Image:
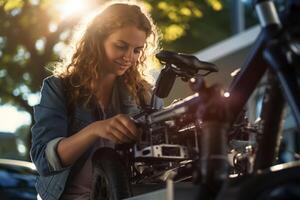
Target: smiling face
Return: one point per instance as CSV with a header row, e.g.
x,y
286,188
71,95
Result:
x,y
122,49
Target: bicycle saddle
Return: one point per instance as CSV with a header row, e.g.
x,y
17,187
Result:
x,y
186,62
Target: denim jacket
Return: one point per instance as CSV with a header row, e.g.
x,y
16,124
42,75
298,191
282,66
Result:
x,y
53,123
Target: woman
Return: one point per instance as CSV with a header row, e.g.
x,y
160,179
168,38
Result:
x,y
80,105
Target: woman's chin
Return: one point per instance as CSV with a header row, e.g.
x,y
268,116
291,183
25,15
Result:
x,y
121,72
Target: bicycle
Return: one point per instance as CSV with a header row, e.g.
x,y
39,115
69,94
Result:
x,y
277,52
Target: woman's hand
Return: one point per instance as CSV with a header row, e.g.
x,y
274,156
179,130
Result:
x,y
119,129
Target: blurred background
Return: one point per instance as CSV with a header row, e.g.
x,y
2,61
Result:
x,y
34,33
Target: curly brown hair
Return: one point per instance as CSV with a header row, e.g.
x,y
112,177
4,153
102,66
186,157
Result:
x,y
84,69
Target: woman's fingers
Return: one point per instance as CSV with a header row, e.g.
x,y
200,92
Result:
x,y
113,138
119,129
128,124
131,133
120,135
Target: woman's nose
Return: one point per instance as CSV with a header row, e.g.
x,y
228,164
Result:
x,y
128,56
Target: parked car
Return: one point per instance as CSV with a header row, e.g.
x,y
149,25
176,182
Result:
x,y
8,146
17,179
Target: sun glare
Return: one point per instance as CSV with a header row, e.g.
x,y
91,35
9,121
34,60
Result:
x,y
71,7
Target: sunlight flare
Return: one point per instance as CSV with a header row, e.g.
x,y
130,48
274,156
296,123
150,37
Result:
x,y
71,7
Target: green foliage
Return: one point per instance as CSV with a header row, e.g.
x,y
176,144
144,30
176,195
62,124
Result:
x,y
12,4
188,26
26,47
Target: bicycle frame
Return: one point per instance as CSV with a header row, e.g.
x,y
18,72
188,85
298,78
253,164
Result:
x,y
266,55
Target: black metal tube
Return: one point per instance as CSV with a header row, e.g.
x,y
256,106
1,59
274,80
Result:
x,y
175,110
255,66
243,85
272,114
267,13
164,82
213,164
287,76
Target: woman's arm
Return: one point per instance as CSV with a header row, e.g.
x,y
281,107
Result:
x,y
52,148
119,129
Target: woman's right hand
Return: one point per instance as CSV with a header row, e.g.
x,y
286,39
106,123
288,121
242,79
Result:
x,y
119,129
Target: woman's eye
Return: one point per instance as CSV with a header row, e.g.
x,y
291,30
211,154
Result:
x,y
137,51
120,46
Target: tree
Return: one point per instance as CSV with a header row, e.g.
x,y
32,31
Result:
x,y
32,32
189,26
27,45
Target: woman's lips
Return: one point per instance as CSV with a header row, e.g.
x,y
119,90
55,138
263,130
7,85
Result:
x,y
123,65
